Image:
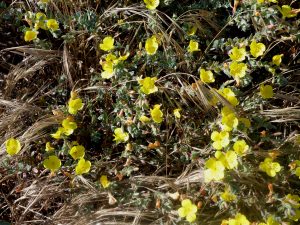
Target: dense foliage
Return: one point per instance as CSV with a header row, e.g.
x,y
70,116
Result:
x,y
150,112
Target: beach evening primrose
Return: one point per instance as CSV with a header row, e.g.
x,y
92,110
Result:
x,y
239,219
188,210
193,46
293,201
30,35
240,147
69,126
266,91
52,24
75,105
192,30
257,49
40,21
229,95
148,85
77,152
270,167
176,113
156,114
245,121
276,59
104,181
120,135
229,159
225,111
227,195
238,54
287,11
107,44
108,69
229,122
48,147
151,4
13,146
220,139
151,45
52,163
270,221
144,119
58,134
238,70
206,76
83,166
214,170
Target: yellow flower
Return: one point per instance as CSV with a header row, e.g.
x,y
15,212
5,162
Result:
x,y
49,148
120,135
229,95
193,46
270,221
227,195
123,57
52,163
270,167
156,114
13,146
294,214
52,24
221,139
148,85
266,91
108,68
192,30
104,181
239,219
151,45
77,152
276,59
240,147
69,126
215,170
107,44
238,69
297,172
245,121
151,4
188,210
225,111
40,16
111,58
229,122
206,76
75,105
40,23
229,159
262,1
257,49
30,35
145,119
58,134
176,113
293,200
238,54
287,11
83,166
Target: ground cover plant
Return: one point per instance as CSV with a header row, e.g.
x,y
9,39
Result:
x,y
150,112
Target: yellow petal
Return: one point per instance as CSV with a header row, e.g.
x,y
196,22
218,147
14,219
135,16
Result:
x,y
13,146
